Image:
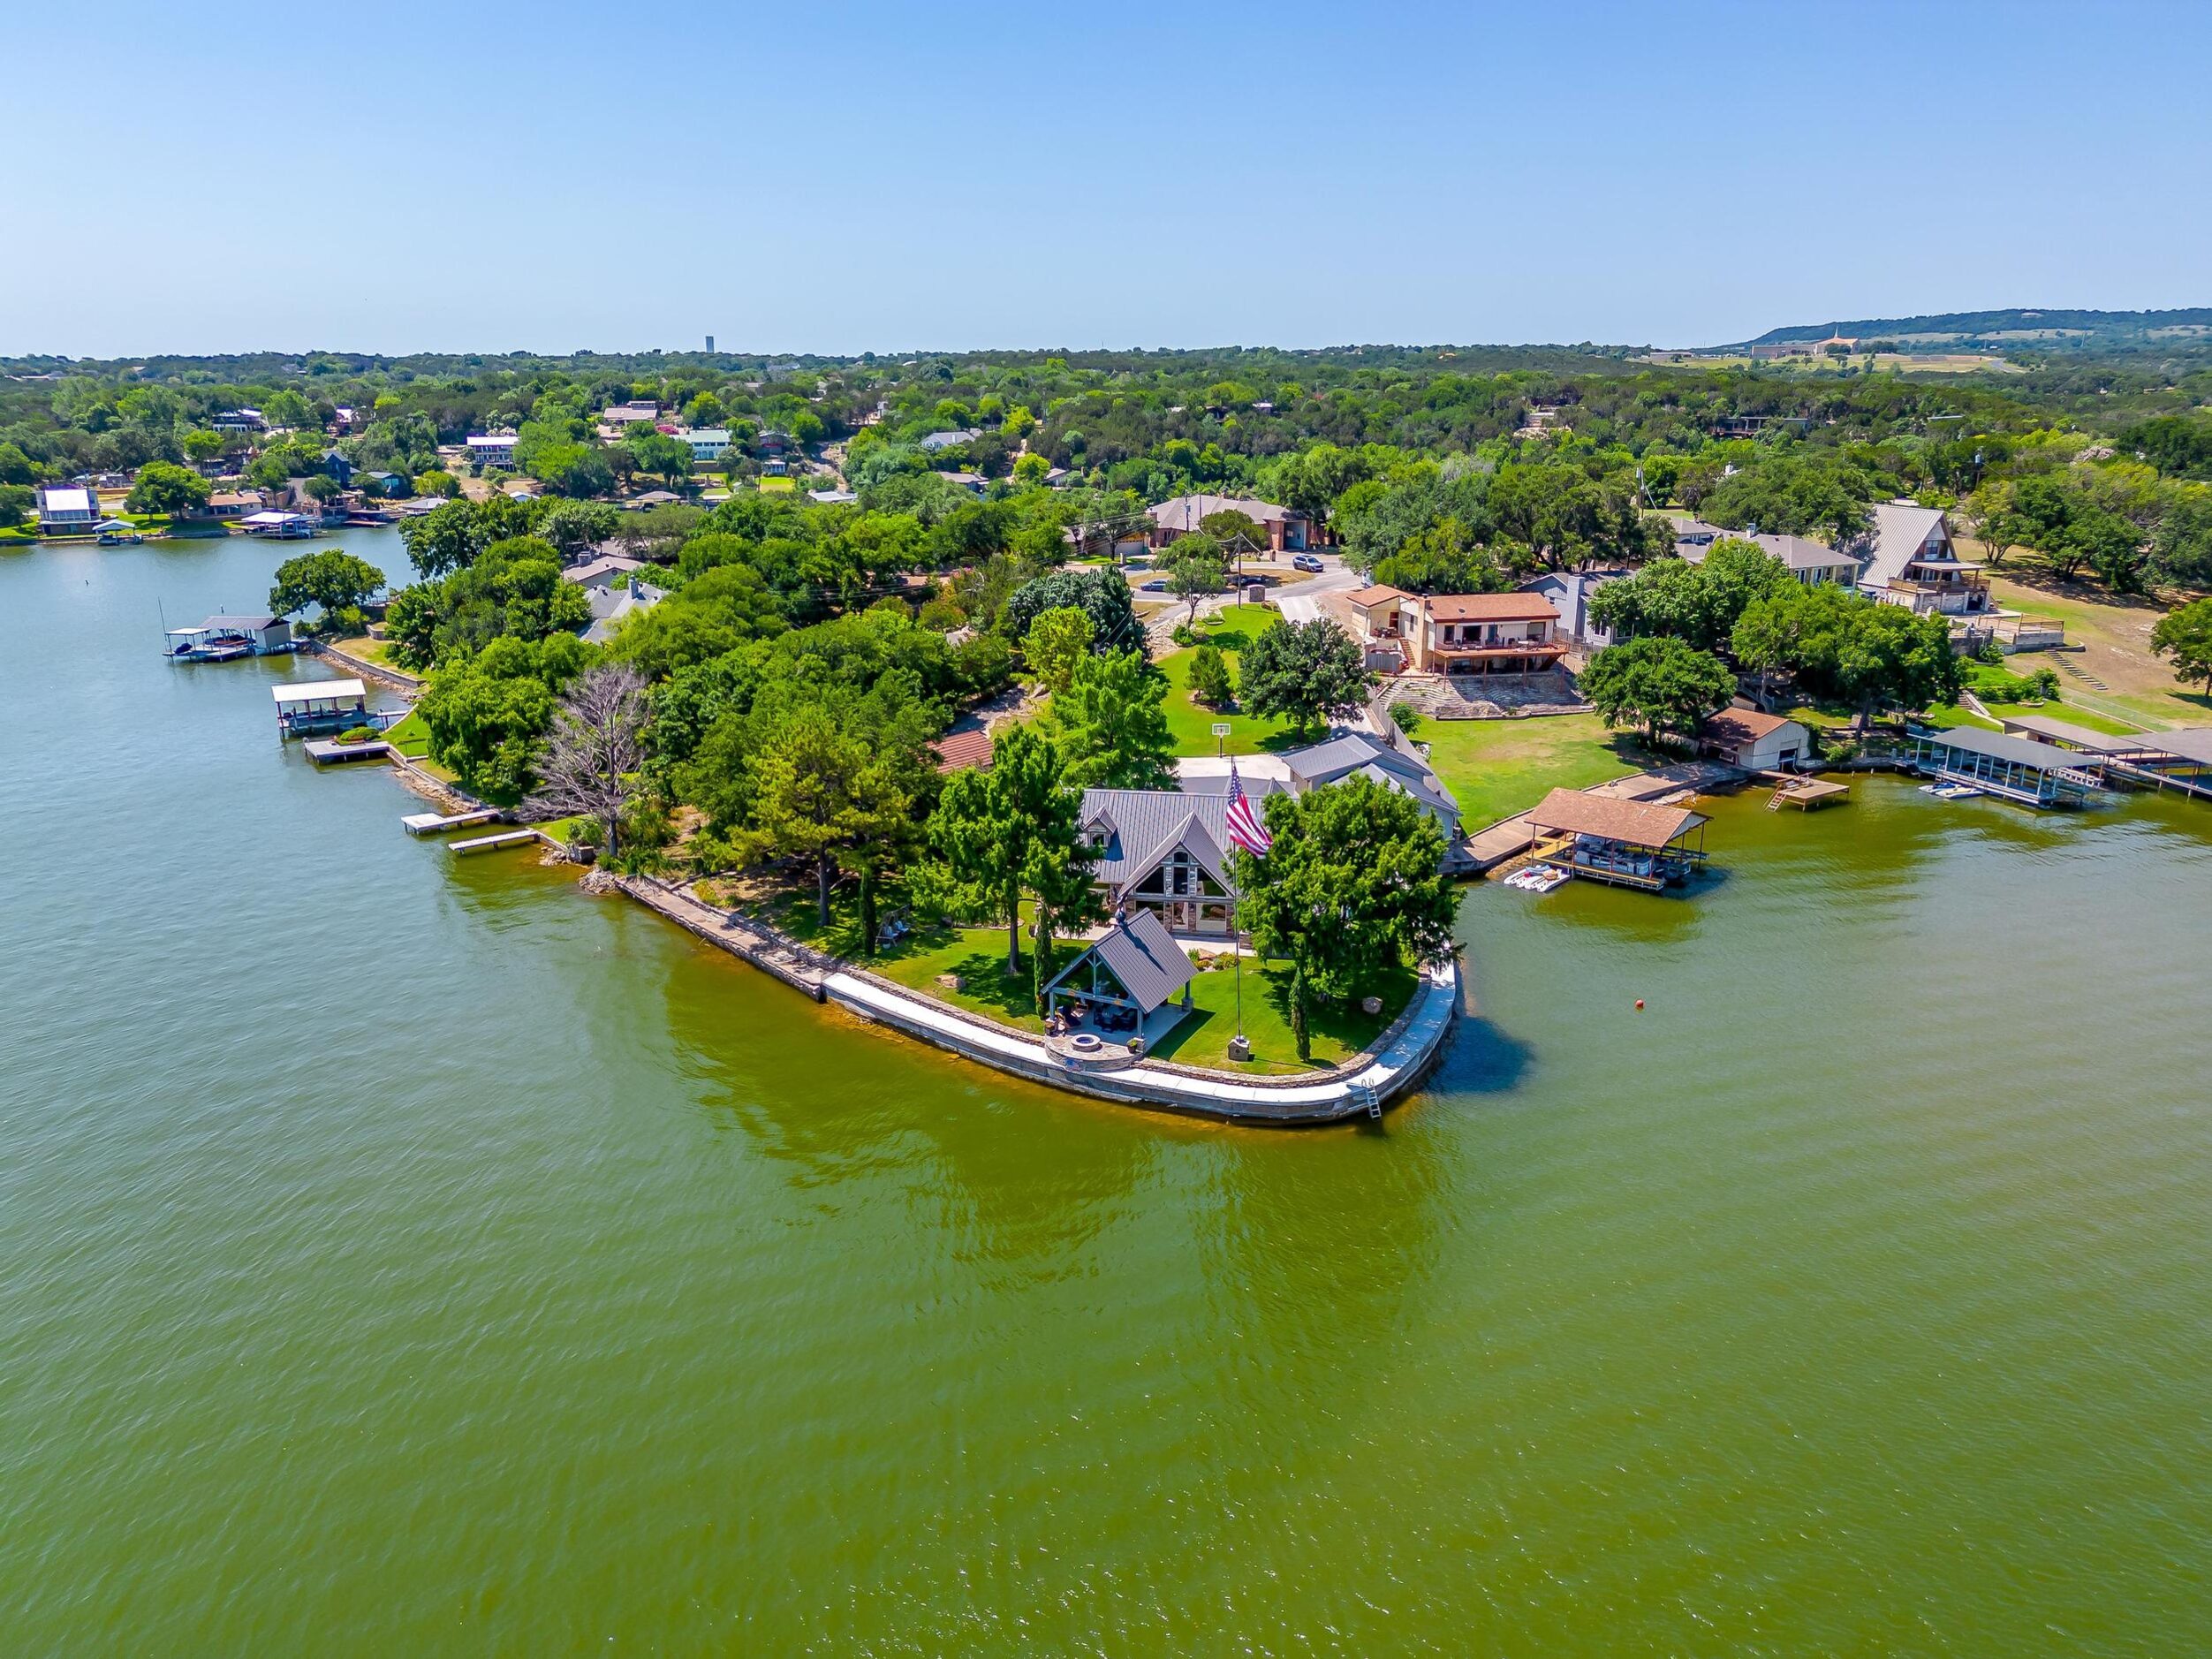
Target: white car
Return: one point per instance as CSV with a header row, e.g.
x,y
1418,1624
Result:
x,y
1306,561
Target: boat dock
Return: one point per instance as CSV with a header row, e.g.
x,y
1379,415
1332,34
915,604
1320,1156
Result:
x,y
326,751
1794,789
492,842
430,823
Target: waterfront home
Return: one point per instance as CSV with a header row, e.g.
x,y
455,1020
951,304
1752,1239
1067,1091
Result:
x,y
934,441
1625,842
1811,562
229,504
322,705
1515,635
1392,762
1756,741
68,510
492,448
1166,851
707,444
1124,977
1286,529
600,573
1569,594
2014,768
221,638
1910,561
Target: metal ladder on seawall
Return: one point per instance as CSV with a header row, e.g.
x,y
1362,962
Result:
x,y
1360,1095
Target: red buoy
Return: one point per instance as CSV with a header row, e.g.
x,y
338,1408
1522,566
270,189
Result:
x,y
1639,1003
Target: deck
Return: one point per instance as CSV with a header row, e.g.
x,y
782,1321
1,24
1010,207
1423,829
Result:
x,y
1805,793
329,751
428,823
489,843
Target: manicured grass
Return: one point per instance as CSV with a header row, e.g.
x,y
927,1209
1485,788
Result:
x,y
1340,1030
1497,767
411,739
775,486
1192,724
978,955
377,651
2066,711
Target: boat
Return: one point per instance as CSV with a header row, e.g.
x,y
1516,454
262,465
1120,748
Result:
x,y
1536,878
1950,791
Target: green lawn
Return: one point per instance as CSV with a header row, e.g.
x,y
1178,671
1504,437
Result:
x,y
1497,767
369,650
1191,723
1339,1032
411,739
978,955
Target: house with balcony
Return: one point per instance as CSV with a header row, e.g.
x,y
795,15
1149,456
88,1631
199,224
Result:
x,y
1811,562
1910,560
1166,851
707,444
494,448
1456,633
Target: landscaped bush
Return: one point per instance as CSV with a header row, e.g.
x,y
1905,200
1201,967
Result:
x,y
1408,716
1997,686
356,734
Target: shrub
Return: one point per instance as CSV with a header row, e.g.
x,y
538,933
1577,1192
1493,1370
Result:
x,y
1996,685
1210,682
1408,716
356,734
1185,635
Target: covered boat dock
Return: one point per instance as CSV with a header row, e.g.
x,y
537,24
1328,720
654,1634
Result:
x,y
2017,768
1627,843
321,705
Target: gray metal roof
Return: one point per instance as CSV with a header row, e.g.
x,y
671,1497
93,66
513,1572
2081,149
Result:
x,y
1143,826
1351,752
2078,736
2191,743
1998,746
1150,965
1900,530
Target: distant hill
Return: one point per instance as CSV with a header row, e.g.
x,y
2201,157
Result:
x,y
2018,329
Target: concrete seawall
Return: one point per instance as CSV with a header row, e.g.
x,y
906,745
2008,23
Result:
x,y
1401,1057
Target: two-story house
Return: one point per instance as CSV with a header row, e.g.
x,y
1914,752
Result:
x,y
68,510
1910,560
1457,633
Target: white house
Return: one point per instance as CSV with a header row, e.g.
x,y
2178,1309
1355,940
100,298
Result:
x,y
707,444
68,510
494,448
1755,741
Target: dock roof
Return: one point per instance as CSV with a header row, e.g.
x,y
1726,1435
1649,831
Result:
x,y
2002,746
1637,822
317,690
2077,737
2191,743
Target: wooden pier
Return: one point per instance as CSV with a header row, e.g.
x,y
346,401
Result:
x,y
430,823
328,751
1805,793
489,843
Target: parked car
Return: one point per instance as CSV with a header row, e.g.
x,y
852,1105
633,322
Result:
x,y
1306,561
1153,587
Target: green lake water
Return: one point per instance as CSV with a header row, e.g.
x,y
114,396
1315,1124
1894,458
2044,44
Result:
x,y
401,1255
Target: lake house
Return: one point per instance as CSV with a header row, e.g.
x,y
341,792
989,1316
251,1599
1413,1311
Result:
x,y
1516,633
68,510
1910,560
1166,851
492,448
1756,741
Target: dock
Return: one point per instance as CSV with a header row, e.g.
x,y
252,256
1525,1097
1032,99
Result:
x,y
488,844
430,823
1805,793
324,751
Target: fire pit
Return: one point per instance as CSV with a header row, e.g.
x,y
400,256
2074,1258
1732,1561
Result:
x,y
1085,1043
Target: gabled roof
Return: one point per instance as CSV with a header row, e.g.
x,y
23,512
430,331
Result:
x,y
1352,751
1144,825
2002,746
1636,822
1900,530
608,564
1743,725
1150,965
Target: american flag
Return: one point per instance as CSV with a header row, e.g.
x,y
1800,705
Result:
x,y
1245,828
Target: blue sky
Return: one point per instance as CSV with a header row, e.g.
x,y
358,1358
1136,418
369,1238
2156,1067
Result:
x,y
858,176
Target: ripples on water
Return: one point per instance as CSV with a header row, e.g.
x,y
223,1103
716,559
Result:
x,y
399,1253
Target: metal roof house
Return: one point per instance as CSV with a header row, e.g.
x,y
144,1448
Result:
x,y
1126,977
1811,562
1380,762
1910,561
1166,851
68,510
